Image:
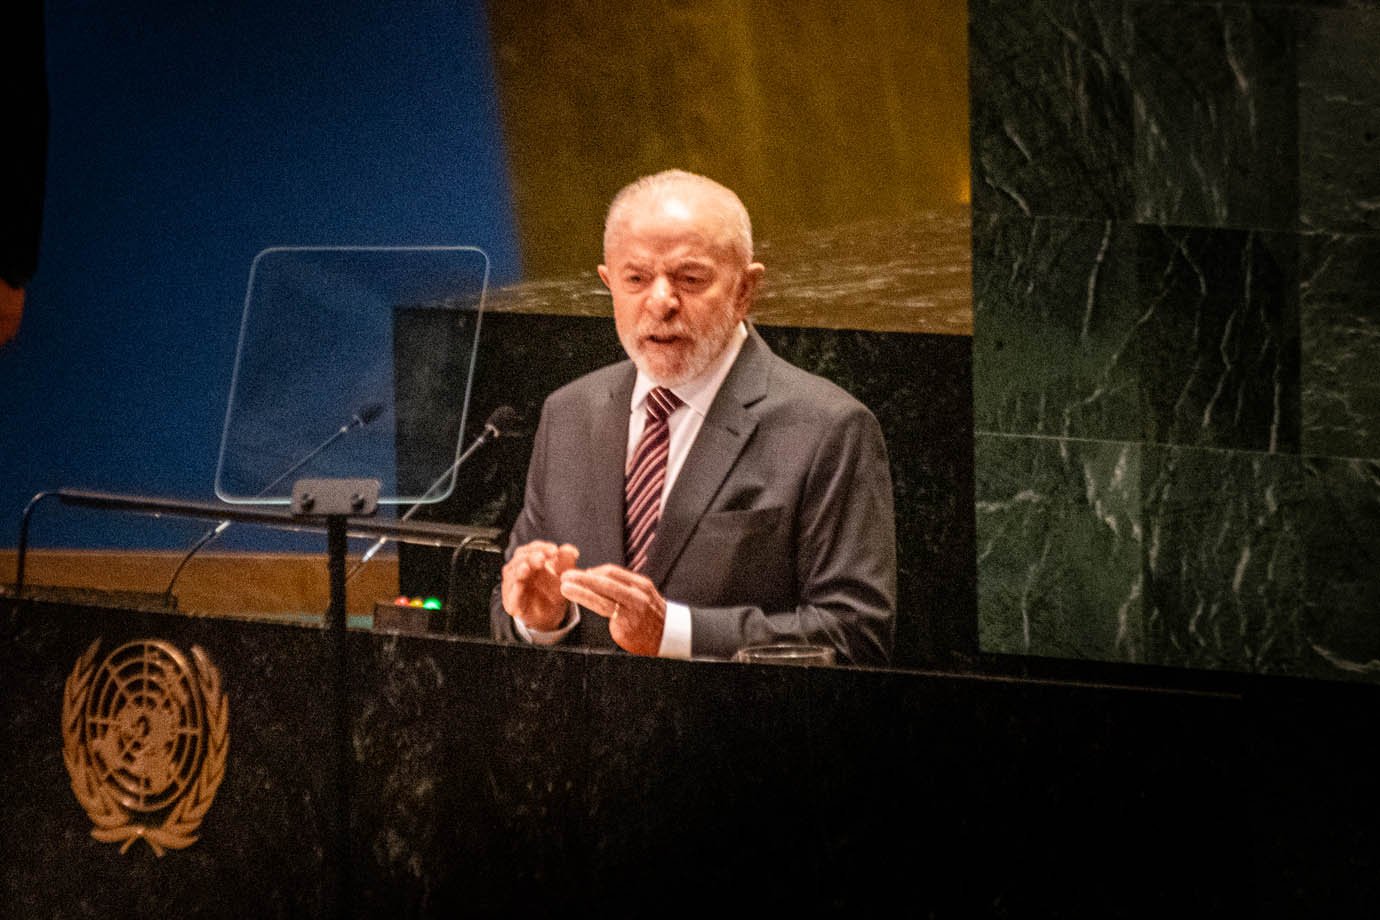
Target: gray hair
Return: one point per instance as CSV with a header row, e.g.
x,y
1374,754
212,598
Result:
x,y
739,224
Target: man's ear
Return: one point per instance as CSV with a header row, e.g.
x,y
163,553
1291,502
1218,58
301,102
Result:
x,y
747,288
604,276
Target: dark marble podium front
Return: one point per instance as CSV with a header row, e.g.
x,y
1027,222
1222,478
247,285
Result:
x,y
498,779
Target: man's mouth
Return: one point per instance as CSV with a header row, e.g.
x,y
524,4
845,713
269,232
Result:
x,y
667,339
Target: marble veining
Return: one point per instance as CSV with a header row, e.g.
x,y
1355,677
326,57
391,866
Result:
x,y
1055,315
1219,319
1223,564
1108,331
1341,524
1051,108
1339,292
1219,339
1215,115
884,274
1059,538
1339,119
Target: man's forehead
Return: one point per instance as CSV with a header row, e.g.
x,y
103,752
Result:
x,y
649,245
683,200
671,223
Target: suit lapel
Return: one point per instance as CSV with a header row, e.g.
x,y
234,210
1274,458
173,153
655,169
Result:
x,y
725,432
603,493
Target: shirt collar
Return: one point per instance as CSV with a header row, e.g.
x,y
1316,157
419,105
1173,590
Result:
x,y
699,392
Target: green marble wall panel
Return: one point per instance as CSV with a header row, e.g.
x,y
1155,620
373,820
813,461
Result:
x,y
1339,119
1216,118
1341,527
1223,559
1050,108
1122,332
1059,548
1266,3
1219,339
1176,256
1339,320
1054,313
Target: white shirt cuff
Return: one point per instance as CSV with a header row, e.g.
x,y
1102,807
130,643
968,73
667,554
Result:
x,y
675,632
550,636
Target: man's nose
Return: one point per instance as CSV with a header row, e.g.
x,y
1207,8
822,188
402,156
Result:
x,y
661,298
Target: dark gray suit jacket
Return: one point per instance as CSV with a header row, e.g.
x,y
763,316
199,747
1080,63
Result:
x,y
780,524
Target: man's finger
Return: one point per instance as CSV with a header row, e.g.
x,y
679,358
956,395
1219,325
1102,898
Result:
x,y
561,559
621,575
589,599
594,582
609,578
603,590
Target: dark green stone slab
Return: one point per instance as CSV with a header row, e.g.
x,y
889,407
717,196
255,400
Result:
x,y
1050,108
1216,121
1356,4
1059,539
1339,119
1339,320
1341,530
1223,560
1054,323
1219,338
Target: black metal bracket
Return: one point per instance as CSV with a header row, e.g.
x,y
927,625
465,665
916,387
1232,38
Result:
x,y
335,497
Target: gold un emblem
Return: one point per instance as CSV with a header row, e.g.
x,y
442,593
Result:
x,y
144,737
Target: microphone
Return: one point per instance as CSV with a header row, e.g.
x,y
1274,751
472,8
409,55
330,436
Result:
x,y
499,424
364,416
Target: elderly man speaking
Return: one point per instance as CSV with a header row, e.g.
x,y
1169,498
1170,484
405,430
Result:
x,y
705,495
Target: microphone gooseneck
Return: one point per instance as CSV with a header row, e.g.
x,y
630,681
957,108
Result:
x,y
364,416
500,423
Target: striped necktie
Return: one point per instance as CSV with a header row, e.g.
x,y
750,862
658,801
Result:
x,y
646,476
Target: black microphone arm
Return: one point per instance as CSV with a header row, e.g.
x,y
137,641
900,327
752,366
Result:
x,y
425,533
361,418
499,423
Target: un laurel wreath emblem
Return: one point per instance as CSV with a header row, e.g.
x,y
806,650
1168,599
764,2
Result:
x,y
144,736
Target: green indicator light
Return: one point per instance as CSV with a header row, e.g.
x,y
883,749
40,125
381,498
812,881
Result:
x,y
432,603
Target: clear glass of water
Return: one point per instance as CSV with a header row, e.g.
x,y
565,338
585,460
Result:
x,y
796,653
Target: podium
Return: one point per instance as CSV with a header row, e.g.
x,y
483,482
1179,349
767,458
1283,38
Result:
x,y
504,779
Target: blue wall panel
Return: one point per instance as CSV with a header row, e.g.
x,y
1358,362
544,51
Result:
x,y
185,139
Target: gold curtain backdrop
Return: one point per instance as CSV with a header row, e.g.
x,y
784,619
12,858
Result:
x,y
843,128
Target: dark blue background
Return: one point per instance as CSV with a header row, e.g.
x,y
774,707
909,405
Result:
x,y
184,139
